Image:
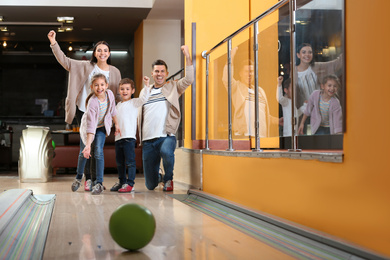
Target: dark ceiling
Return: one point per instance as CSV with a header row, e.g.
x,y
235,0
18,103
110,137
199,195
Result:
x,y
28,26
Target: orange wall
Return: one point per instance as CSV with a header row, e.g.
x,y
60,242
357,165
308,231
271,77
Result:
x,y
350,199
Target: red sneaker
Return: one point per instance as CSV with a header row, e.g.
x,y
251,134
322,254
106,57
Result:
x,y
87,185
168,186
125,188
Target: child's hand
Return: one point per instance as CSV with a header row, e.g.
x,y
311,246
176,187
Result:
x,y
300,130
280,80
118,131
87,151
146,81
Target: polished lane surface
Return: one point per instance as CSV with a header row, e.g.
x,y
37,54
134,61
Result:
x,y
79,225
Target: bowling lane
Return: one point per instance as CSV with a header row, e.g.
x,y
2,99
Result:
x,y
79,226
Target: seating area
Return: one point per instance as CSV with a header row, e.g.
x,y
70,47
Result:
x,y
66,156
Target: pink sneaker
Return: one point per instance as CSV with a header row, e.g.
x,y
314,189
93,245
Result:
x,y
87,185
125,188
168,186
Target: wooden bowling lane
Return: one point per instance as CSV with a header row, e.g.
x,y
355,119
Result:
x,y
79,226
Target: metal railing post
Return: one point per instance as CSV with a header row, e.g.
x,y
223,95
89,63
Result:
x,y
207,57
294,137
256,70
229,61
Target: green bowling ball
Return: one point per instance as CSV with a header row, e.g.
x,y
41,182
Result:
x,y
132,226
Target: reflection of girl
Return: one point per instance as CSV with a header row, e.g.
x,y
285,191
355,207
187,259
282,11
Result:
x,y
324,108
310,73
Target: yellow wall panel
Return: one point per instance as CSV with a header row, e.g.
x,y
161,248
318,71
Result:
x,y
349,200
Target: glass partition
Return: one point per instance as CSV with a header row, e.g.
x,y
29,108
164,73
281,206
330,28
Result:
x,y
317,93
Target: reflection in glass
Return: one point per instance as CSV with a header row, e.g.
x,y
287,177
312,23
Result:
x,y
243,98
324,109
319,56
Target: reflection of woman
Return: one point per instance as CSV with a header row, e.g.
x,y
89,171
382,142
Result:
x,y
310,73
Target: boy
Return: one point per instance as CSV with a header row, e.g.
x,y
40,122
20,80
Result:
x,y
127,111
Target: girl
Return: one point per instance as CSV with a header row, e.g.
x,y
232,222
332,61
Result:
x,y
310,72
80,73
324,109
125,143
96,124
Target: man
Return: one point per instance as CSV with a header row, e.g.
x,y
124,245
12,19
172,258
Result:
x,y
243,100
159,120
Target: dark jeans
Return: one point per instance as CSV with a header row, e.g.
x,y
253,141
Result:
x,y
323,131
125,160
152,152
100,138
90,165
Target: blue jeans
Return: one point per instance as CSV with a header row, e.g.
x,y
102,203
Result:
x,y
90,169
323,131
83,164
152,152
125,159
100,138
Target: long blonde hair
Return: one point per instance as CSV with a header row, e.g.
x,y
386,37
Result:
x,y
95,77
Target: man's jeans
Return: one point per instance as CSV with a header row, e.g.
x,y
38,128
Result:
x,y
152,152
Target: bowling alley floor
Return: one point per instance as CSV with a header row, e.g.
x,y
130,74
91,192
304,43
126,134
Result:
x,y
79,225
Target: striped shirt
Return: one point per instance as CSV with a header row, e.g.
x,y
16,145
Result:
x,y
155,112
102,111
324,111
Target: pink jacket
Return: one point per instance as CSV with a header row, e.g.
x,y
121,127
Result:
x,y
335,113
90,118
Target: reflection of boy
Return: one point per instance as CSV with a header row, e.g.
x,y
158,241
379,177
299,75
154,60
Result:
x,y
243,100
285,102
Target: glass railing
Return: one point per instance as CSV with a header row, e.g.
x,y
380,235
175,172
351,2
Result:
x,y
262,54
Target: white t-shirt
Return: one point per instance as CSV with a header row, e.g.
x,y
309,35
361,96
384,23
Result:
x,y
127,113
285,102
87,87
155,112
307,83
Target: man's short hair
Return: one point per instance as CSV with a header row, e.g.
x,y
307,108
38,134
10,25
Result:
x,y
160,62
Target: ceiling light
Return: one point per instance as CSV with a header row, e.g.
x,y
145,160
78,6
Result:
x,y
65,29
65,19
4,44
70,48
1,18
3,28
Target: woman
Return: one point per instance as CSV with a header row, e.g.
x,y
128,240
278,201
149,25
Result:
x,y
80,74
310,73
